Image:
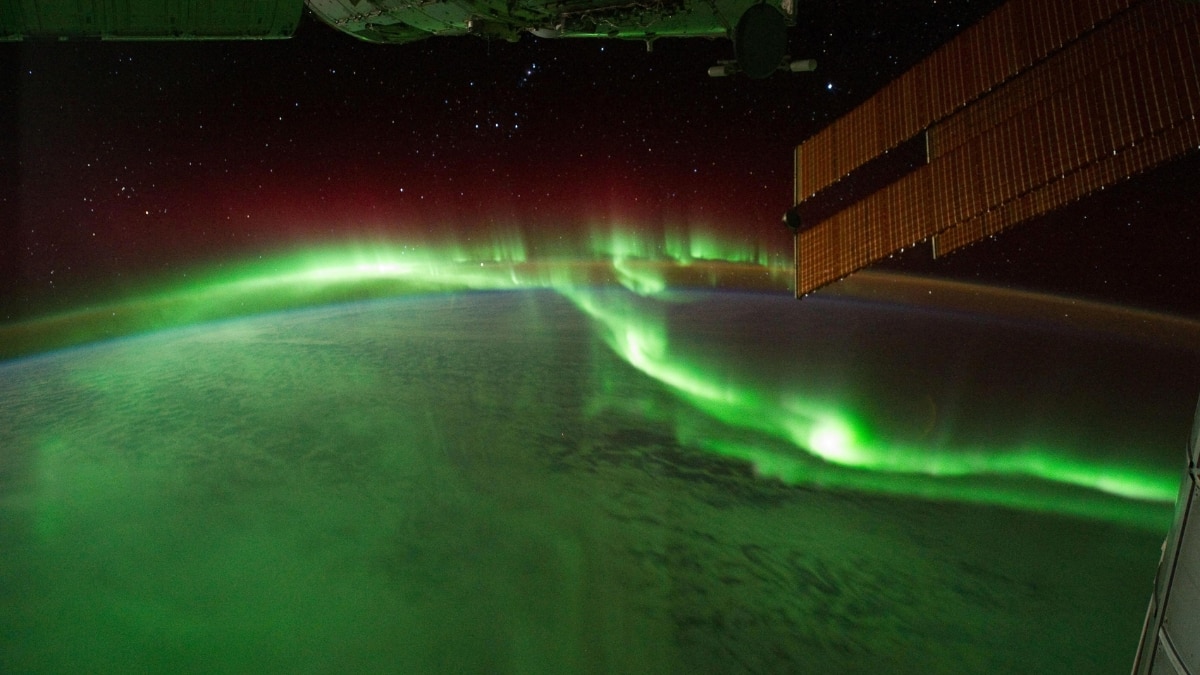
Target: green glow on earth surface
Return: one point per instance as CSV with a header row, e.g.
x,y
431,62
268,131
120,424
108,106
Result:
x,y
820,441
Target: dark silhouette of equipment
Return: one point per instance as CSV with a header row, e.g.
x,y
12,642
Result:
x,y
1171,634
760,43
758,28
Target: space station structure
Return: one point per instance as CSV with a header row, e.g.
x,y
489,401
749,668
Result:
x,y
1170,643
1035,106
758,28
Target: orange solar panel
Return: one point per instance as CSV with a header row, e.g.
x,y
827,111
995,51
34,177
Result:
x,y
1104,90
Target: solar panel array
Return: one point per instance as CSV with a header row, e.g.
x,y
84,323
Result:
x,y
1035,106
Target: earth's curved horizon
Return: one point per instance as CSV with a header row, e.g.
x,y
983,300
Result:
x,y
317,277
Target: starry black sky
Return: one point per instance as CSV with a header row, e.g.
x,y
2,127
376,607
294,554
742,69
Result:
x,y
122,161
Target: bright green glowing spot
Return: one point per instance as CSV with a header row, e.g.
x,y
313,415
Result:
x,y
832,440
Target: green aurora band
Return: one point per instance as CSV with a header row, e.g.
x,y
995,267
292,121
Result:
x,y
825,446
807,442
